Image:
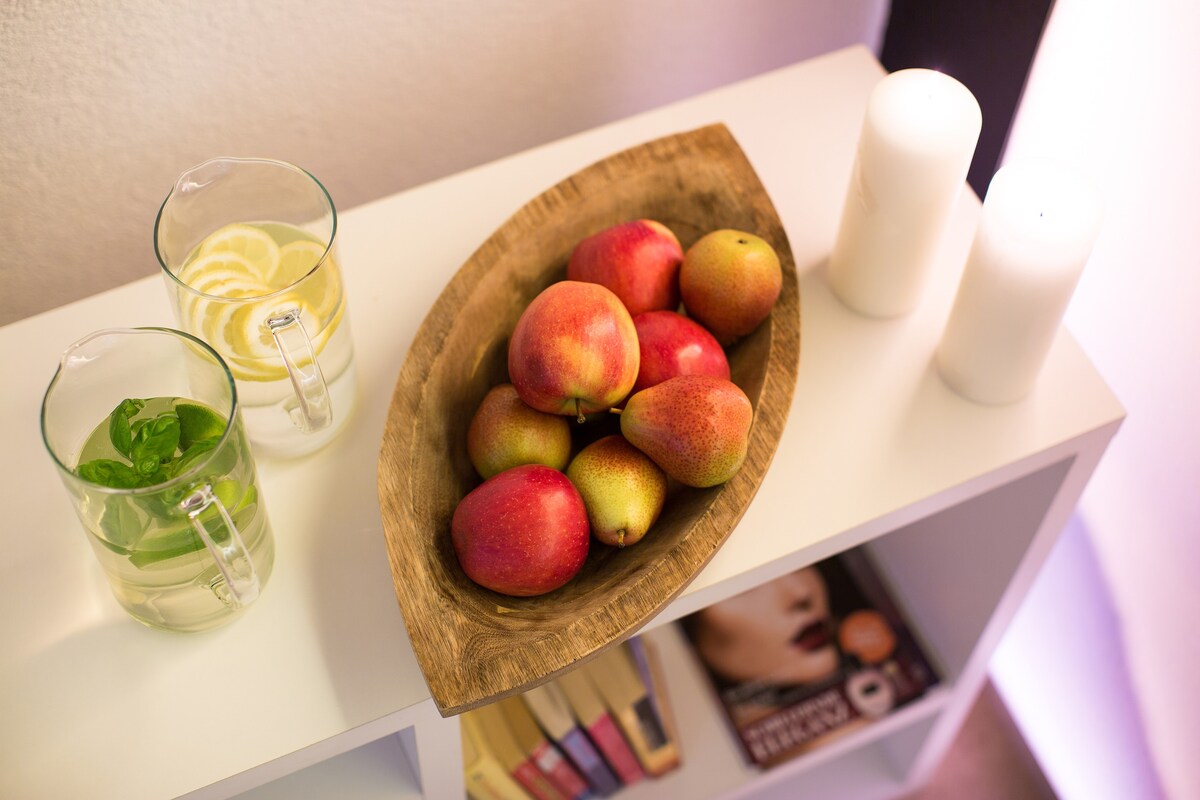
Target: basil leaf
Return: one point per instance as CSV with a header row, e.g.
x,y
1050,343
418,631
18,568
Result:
x,y
154,442
191,456
118,432
121,524
147,466
118,424
106,472
170,497
170,545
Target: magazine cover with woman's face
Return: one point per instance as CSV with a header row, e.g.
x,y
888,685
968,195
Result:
x,y
808,656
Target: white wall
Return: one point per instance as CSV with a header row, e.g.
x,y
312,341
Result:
x,y
1116,88
103,104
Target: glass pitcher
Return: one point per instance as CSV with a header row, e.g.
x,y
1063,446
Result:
x,y
247,251
144,427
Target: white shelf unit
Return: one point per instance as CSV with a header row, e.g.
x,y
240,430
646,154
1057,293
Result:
x,y
318,685
948,572
379,770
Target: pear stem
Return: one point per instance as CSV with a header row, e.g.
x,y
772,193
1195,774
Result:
x,y
579,417
621,538
616,411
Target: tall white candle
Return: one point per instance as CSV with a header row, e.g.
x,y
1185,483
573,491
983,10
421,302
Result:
x,y
916,145
1040,220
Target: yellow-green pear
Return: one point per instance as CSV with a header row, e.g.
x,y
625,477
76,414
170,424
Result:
x,y
622,489
506,433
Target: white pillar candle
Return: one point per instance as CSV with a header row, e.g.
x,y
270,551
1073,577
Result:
x,y
916,145
1039,222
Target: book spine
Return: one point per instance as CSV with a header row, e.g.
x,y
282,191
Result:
x,y
612,744
662,700
560,772
537,784
637,649
580,750
657,753
487,781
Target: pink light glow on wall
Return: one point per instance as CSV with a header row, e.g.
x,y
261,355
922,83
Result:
x,y
1114,88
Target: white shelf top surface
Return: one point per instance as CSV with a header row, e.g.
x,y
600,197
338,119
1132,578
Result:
x,y
95,705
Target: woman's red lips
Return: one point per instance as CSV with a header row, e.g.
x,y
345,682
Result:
x,y
813,636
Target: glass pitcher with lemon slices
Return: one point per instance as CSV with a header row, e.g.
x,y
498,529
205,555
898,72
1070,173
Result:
x,y
247,251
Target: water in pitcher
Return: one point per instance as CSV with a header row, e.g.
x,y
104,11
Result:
x,y
242,274
135,474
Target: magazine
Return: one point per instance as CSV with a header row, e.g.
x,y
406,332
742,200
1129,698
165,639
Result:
x,y
810,656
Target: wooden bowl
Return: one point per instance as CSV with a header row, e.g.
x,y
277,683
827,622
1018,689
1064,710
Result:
x,y
475,645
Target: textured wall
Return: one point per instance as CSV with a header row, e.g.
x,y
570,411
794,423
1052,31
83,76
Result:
x,y
103,104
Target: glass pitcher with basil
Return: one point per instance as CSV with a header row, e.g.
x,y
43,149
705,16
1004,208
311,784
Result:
x,y
144,427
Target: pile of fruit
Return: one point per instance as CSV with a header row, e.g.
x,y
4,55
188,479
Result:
x,y
610,338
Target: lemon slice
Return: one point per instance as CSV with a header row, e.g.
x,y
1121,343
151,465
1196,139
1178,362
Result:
x,y
296,259
238,330
226,279
240,333
210,267
254,244
210,274
241,262
321,291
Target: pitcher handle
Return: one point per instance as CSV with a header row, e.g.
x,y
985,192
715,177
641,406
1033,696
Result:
x,y
314,411
233,560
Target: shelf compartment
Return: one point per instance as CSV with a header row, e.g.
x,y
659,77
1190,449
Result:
x,y
949,571
713,762
374,771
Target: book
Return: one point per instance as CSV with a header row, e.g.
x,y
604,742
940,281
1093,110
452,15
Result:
x,y
649,665
484,776
624,694
552,710
594,718
537,748
808,657
498,736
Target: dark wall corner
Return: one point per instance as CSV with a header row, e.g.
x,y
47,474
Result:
x,y
988,45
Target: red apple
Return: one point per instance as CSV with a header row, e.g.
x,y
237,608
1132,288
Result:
x,y
523,532
638,260
574,350
670,345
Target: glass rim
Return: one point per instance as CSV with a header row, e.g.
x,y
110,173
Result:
x,y
178,479
256,298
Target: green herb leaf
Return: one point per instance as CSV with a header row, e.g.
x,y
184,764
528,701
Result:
x,y
178,542
118,424
154,442
121,524
193,454
106,472
147,466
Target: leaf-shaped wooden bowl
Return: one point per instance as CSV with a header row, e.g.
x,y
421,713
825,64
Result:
x,y
475,645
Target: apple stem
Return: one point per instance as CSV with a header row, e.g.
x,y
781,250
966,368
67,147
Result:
x,y
579,417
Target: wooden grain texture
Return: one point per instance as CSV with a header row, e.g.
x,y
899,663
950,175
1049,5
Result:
x,y
474,645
